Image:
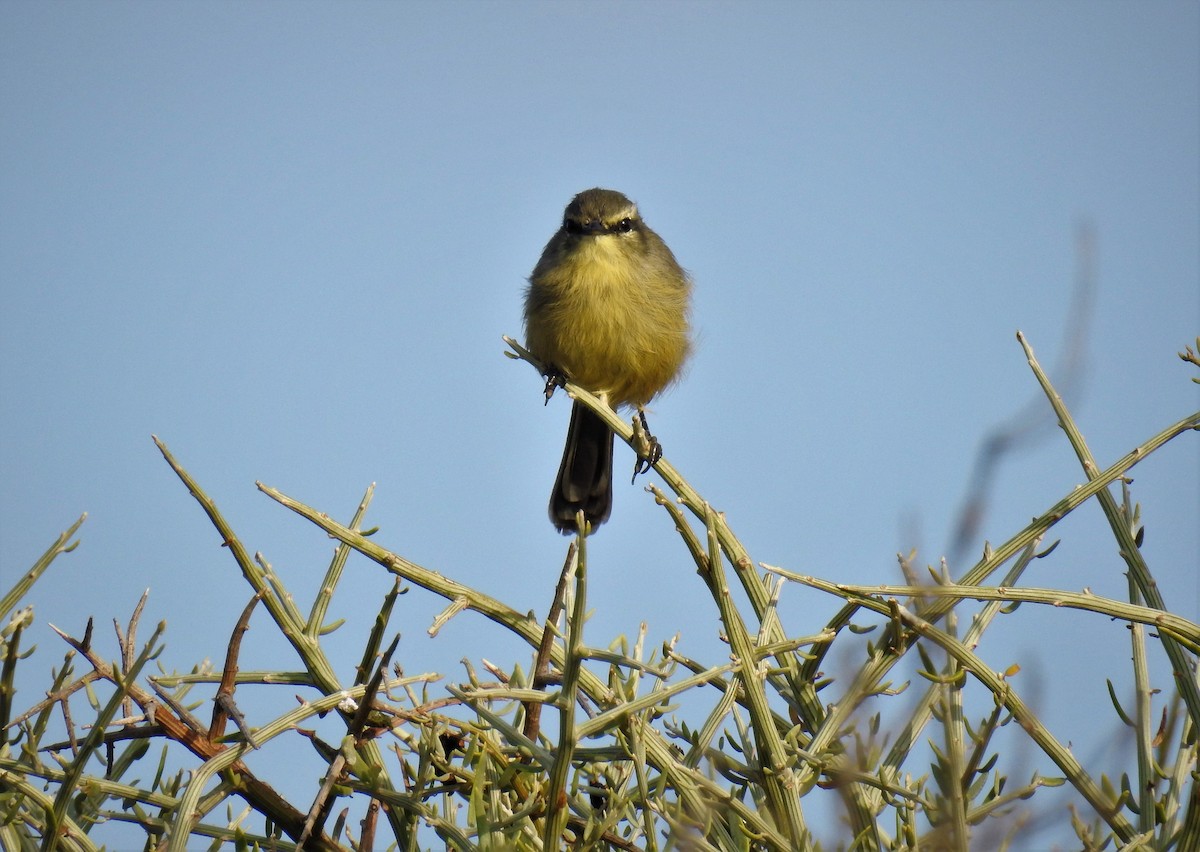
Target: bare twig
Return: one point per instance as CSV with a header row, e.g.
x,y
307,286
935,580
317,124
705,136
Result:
x,y
223,704
319,811
127,642
194,738
541,665
366,841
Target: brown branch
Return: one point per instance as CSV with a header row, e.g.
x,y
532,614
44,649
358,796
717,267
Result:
x,y
70,725
541,667
224,707
322,804
182,713
258,793
128,645
366,841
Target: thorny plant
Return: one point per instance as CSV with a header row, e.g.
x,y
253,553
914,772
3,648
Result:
x,y
473,766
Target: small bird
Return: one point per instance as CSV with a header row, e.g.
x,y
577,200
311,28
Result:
x,y
607,306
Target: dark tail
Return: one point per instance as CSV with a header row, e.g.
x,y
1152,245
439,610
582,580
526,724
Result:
x,y
585,475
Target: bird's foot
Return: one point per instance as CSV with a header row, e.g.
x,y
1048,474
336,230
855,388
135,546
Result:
x,y
647,447
555,379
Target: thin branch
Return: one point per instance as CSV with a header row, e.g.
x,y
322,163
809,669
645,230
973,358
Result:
x,y
318,812
223,704
1183,668
260,795
541,663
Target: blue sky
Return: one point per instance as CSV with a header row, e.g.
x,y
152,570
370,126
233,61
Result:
x,y
287,239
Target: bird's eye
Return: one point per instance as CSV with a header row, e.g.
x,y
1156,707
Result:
x,y
572,227
625,225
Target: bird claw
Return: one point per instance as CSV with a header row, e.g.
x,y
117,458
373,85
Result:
x,y
647,447
644,463
555,379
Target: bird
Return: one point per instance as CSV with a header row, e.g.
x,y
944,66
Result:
x,y
608,306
